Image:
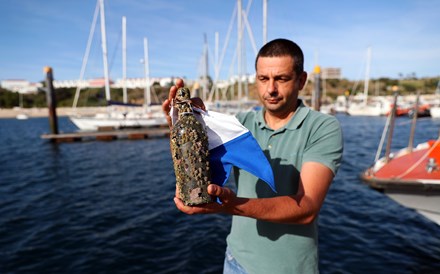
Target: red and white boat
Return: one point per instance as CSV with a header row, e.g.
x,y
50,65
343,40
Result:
x,y
410,176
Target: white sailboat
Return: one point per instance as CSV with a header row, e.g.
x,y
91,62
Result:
x,y
22,115
361,105
121,115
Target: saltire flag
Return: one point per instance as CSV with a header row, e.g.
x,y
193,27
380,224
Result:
x,y
232,144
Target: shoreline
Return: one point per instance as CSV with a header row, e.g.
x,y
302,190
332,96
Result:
x,y
44,112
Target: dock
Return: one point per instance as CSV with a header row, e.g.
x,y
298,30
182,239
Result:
x,y
108,135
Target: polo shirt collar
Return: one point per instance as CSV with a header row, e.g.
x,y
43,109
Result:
x,y
296,120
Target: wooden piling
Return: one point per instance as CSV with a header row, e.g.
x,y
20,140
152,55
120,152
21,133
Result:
x,y
51,101
316,96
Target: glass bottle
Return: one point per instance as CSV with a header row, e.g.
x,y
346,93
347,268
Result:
x,y
190,153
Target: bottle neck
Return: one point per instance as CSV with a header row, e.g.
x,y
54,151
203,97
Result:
x,y
184,107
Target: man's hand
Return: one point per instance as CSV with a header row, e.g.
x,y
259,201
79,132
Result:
x,y
226,196
166,105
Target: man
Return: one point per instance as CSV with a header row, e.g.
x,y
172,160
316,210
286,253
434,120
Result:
x,y
277,232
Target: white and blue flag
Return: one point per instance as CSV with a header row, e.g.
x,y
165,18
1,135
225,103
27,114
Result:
x,y
232,144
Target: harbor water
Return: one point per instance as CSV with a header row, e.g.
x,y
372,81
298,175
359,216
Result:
x,y
107,207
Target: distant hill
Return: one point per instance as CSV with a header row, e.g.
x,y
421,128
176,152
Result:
x,y
331,89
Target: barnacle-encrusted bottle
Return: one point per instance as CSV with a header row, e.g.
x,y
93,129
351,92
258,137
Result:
x,y
190,153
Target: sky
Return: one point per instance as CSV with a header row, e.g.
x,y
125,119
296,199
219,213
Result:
x,y
403,35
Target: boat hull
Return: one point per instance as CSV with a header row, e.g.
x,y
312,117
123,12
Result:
x,y
411,178
435,112
426,203
120,117
422,196
94,123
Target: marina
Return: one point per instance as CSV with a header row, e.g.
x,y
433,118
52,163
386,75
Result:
x,y
87,183
108,207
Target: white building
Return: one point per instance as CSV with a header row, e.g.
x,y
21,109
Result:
x,y
21,86
119,83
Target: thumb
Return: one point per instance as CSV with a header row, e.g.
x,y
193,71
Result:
x,y
215,190
218,191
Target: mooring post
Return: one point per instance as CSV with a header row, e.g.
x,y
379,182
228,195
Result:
x,y
316,95
51,101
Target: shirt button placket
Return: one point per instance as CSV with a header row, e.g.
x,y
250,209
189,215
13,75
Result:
x,y
269,142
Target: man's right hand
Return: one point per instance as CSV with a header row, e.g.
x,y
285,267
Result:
x,y
166,105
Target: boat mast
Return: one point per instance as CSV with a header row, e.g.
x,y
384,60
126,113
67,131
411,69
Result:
x,y
252,41
264,22
205,68
124,59
239,46
216,67
367,75
147,92
104,51
86,55
219,62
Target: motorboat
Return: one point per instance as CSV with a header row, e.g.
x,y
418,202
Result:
x,y
121,118
411,175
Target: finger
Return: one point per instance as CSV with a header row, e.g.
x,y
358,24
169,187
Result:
x,y
172,93
166,106
177,191
180,205
179,83
190,210
166,110
215,190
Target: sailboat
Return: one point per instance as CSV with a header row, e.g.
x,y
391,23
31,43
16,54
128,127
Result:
x,y
411,175
21,115
361,105
118,115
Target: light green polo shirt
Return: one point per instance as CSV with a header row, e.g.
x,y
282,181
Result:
x,y
265,247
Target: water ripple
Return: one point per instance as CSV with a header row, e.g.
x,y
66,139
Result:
x,y
106,207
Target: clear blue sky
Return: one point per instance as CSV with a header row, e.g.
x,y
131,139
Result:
x,y
404,35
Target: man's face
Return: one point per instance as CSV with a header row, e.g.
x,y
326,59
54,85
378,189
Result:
x,y
277,83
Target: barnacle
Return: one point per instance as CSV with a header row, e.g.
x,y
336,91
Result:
x,y
190,153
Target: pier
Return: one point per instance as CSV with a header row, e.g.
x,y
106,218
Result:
x,y
108,135
102,134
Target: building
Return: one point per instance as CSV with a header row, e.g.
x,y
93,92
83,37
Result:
x,y
331,73
20,85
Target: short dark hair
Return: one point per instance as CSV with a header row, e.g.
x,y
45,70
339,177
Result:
x,y
283,47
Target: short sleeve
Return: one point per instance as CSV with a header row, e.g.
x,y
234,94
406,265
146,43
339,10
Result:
x,y
325,144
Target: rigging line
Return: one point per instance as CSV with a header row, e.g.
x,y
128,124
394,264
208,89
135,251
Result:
x,y
382,138
115,50
225,45
231,23
356,83
248,27
86,55
250,34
